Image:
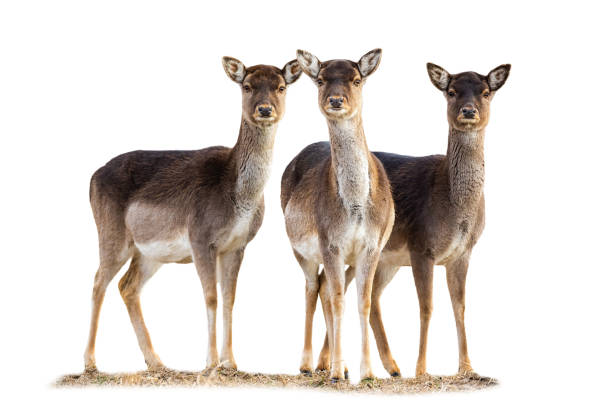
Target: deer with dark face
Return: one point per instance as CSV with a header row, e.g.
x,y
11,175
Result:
x,y
202,206
337,203
439,206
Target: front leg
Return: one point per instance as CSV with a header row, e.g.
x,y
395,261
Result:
x,y
229,263
364,275
205,259
324,355
422,269
456,273
334,273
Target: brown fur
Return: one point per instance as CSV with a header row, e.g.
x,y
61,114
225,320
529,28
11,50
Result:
x,y
201,206
439,206
337,202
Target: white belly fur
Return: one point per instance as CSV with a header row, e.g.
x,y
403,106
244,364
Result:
x,y
168,250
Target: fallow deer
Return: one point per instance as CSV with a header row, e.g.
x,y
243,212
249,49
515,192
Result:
x,y
440,211
337,203
202,206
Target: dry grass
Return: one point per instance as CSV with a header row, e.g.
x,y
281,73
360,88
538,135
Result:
x,y
318,381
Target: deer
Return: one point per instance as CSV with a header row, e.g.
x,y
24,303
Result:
x,y
440,213
337,204
200,206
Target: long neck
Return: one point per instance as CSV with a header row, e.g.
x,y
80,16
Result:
x,y
350,164
466,170
251,158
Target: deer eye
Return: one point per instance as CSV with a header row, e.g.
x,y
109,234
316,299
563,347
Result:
x,y
486,94
281,89
452,93
319,82
357,82
246,88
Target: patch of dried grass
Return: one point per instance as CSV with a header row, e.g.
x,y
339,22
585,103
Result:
x,y
318,381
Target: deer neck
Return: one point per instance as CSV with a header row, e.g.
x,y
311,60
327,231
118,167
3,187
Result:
x,y
466,169
350,162
251,158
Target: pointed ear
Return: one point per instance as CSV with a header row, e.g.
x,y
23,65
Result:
x,y
291,72
234,69
439,76
369,62
309,63
497,77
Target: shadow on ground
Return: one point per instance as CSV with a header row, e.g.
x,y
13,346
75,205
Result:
x,y
318,381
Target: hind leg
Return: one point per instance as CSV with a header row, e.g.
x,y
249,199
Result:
x,y
310,270
112,258
384,274
130,285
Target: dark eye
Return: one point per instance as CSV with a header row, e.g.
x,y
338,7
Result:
x,y
319,82
486,94
246,88
281,89
451,93
357,82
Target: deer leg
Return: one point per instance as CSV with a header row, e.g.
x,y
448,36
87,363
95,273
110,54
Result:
x,y
324,355
384,274
130,285
106,272
364,277
422,269
206,264
311,289
455,278
230,265
334,273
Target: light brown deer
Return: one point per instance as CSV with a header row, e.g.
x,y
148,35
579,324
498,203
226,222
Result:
x,y
337,203
439,206
202,206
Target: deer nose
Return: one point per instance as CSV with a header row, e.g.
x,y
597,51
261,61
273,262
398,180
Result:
x,y
336,101
469,111
264,110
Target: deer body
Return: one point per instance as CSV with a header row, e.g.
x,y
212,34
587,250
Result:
x,y
337,203
201,206
440,212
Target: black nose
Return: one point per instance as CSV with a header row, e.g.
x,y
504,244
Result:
x,y
468,112
265,110
336,102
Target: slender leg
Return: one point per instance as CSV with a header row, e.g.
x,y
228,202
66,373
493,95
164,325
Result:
x,y
334,273
311,290
422,269
205,260
106,273
455,278
130,285
384,274
364,275
324,355
230,265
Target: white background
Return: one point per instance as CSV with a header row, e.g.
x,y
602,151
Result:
x,y
81,82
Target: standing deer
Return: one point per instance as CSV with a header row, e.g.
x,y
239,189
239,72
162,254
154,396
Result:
x,y
337,203
439,205
202,206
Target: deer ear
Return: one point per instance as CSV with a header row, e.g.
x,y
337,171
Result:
x,y
291,72
369,62
439,76
234,69
309,63
497,77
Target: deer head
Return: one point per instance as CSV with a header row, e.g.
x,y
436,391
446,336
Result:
x,y
468,95
263,89
339,82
